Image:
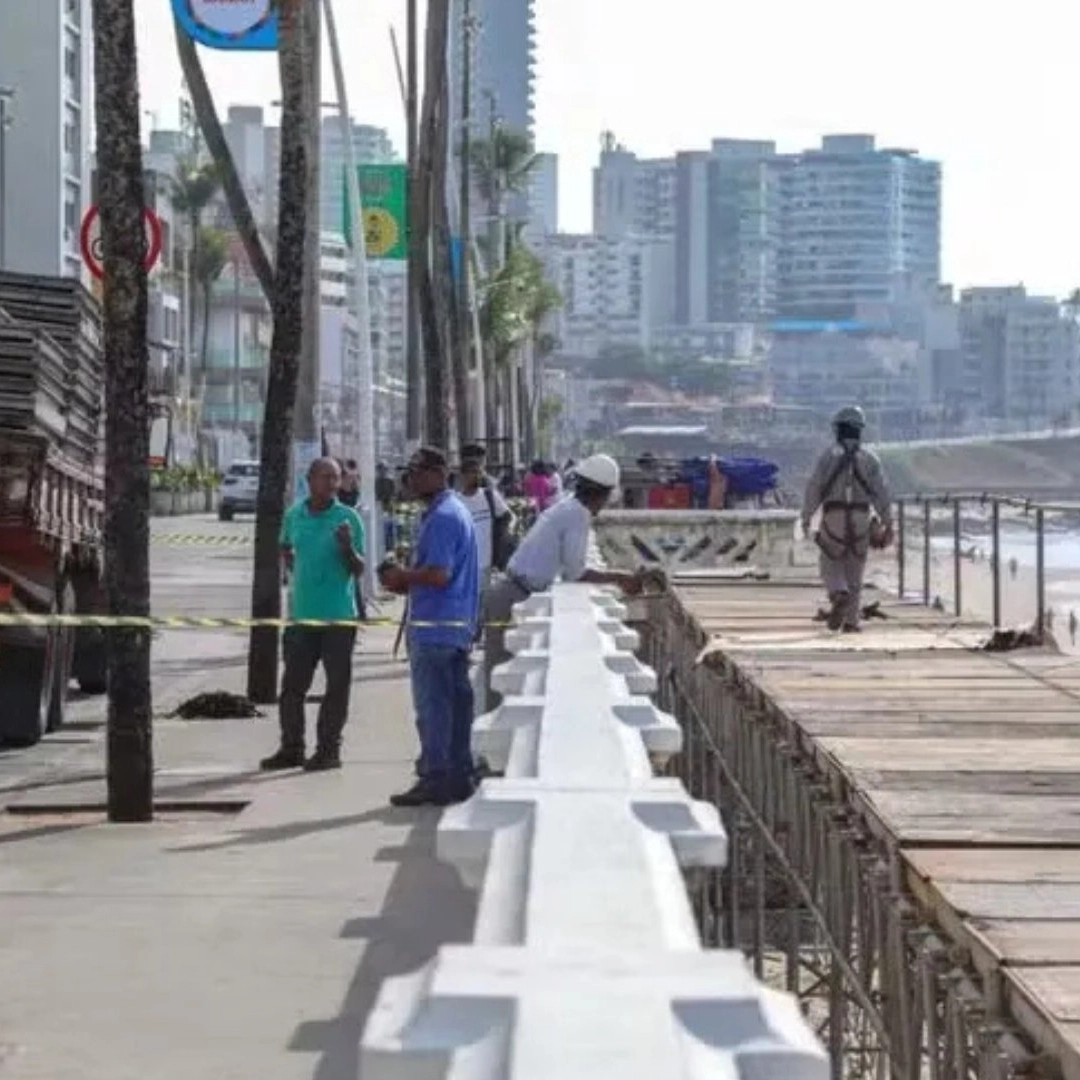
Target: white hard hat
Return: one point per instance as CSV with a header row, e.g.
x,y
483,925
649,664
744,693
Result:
x,y
599,470
850,414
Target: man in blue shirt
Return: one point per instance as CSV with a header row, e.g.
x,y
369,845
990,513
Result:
x,y
322,545
443,586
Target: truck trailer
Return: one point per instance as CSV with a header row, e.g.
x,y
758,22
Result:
x,y
51,499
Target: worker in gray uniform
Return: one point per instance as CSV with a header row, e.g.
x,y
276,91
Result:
x,y
848,487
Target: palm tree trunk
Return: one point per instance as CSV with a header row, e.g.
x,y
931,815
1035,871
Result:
x,y
204,345
130,770
239,207
285,348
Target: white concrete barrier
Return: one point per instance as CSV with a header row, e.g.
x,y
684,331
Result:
x,y
697,539
586,962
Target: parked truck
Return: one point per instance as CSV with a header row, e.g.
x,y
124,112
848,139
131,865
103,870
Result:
x,y
51,498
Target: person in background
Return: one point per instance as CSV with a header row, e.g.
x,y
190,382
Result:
x,y
322,545
492,519
556,547
847,486
538,488
443,588
556,481
350,484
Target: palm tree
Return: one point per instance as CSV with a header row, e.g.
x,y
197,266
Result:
x,y
298,141
127,488
501,166
212,256
224,166
194,188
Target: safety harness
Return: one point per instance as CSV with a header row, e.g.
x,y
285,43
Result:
x,y
849,542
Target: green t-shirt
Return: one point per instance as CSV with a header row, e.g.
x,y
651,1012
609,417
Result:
x,y
323,587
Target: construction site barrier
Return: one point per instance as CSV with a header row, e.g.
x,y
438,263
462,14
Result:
x,y
586,963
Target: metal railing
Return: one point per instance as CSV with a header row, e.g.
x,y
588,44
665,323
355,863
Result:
x,y
585,963
992,509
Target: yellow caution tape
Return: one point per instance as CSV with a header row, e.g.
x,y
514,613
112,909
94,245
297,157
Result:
x,y
190,622
202,540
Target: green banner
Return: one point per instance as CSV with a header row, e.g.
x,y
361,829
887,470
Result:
x,y
384,196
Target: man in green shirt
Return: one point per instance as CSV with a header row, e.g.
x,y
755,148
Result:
x,y
322,545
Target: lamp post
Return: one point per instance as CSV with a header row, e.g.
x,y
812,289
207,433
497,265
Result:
x,y
7,96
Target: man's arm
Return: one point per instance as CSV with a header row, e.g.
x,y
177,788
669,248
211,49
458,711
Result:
x,y
879,490
502,508
285,542
352,543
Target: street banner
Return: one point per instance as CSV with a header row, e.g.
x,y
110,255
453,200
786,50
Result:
x,y
229,24
384,201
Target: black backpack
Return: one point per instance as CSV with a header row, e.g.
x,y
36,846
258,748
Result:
x,y
502,543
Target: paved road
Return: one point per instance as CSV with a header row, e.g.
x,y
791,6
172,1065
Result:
x,y
200,566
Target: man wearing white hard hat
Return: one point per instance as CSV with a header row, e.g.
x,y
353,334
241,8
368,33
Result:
x,y
555,548
848,487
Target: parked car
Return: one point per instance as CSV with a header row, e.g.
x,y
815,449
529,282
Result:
x,y
239,489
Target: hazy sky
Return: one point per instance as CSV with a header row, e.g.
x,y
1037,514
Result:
x,y
987,89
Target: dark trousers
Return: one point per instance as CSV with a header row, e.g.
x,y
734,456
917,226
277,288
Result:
x,y
305,648
443,700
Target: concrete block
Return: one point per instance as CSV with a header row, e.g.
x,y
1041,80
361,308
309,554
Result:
x,y
506,1013
582,866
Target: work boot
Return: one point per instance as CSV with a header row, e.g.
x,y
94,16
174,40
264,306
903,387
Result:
x,y
323,761
422,793
282,760
459,790
852,628
838,610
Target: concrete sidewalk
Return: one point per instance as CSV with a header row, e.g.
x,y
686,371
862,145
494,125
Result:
x,y
216,944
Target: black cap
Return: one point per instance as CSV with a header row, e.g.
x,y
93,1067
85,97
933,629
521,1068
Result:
x,y
428,457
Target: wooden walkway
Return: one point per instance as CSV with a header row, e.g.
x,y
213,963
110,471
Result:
x,y
965,762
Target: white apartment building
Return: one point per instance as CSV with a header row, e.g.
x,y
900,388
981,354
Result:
x,y
1019,357
632,196
45,69
255,150
543,199
614,291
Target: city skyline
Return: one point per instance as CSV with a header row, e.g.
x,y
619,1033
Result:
x,y
1009,215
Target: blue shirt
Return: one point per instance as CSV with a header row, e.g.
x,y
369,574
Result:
x,y
323,586
447,541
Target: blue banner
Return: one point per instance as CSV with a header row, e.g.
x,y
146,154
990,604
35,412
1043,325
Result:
x,y
250,25
457,258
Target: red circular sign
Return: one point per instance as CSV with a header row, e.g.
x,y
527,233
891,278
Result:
x,y
90,241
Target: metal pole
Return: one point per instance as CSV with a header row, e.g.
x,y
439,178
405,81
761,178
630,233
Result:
x,y
901,554
236,344
412,357
361,310
465,195
958,570
6,94
927,555
1040,573
995,565
307,444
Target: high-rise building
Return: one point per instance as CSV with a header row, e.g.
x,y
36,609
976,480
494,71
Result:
x,y
632,196
45,73
371,146
1019,357
502,74
858,225
543,198
614,292
256,157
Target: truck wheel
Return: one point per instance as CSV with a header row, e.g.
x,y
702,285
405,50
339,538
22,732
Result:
x,y
23,720
91,661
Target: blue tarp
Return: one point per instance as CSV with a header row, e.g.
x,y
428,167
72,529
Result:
x,y
745,476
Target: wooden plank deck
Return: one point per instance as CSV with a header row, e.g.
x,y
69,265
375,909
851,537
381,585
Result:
x,y
965,762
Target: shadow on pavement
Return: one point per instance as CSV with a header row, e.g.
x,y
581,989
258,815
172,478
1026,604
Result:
x,y
426,907
293,830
